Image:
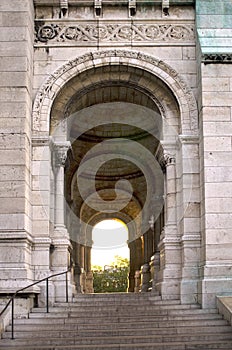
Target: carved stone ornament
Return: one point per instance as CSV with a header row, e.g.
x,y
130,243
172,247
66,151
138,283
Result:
x,y
217,58
112,32
165,160
60,152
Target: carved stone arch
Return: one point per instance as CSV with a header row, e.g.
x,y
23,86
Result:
x,y
170,77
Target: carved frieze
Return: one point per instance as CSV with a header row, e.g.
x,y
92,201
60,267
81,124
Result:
x,y
74,33
217,58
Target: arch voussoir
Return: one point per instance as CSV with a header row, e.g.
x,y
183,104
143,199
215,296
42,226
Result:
x,y
50,89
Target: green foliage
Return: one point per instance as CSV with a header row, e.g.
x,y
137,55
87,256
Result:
x,y
114,278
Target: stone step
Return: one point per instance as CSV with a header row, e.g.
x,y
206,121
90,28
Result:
x,y
113,340
117,323
133,321
73,328
95,313
109,306
121,298
72,332
113,312
117,295
208,345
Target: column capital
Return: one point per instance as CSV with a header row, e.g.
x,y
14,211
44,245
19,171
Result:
x,y
60,151
166,159
169,158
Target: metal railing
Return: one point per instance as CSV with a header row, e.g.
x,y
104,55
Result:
x,y
12,299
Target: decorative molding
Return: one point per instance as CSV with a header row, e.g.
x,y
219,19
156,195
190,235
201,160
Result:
x,y
114,32
217,58
42,241
191,238
40,141
189,139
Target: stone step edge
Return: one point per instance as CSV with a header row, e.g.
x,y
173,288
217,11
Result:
x,y
120,346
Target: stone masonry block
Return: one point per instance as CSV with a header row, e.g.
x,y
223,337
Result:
x,y
219,128
14,79
218,221
219,99
214,236
216,84
217,143
215,158
218,174
12,19
14,5
13,34
218,190
13,64
13,222
220,205
14,49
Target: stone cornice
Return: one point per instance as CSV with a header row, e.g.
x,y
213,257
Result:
x,y
111,2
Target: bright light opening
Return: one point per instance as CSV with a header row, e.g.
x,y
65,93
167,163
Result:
x,y
109,240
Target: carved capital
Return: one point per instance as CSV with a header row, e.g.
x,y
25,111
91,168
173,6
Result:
x,y
169,159
60,151
165,160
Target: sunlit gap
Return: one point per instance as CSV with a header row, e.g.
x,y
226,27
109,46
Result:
x,y
109,240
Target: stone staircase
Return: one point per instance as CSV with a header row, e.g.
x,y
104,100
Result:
x,y
120,322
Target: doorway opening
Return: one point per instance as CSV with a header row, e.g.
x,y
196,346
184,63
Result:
x,y
110,256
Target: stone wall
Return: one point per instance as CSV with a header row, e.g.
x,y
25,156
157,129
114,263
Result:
x,y
215,77
16,66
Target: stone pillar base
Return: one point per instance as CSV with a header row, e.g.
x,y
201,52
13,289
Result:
x,y
15,264
209,289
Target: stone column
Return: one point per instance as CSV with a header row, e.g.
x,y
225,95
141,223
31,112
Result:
x,y
89,274
60,156
136,261
60,238
148,245
82,267
169,246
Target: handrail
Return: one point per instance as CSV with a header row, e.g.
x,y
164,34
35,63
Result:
x,y
11,301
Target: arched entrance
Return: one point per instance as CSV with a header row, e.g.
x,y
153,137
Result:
x,y
117,131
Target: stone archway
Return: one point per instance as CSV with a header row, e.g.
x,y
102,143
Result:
x,y
128,77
